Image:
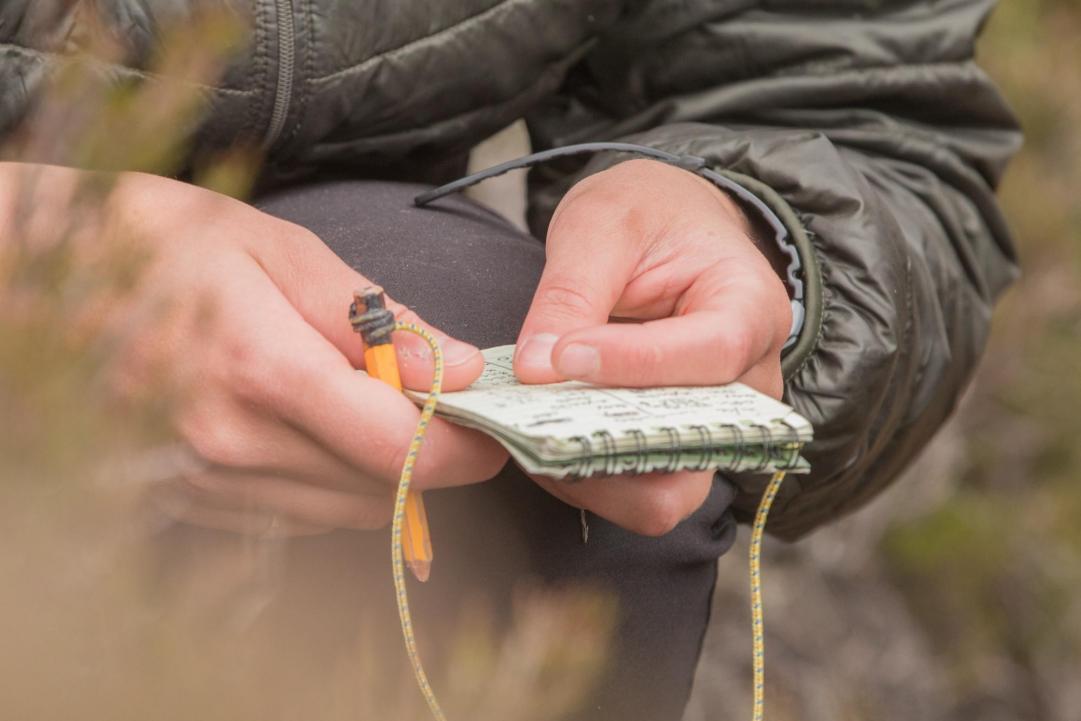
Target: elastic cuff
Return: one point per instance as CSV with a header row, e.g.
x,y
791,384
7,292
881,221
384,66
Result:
x,y
804,273
793,272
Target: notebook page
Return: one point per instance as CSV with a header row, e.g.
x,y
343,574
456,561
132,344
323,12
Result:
x,y
553,417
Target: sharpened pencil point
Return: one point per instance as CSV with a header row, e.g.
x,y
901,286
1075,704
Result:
x,y
421,569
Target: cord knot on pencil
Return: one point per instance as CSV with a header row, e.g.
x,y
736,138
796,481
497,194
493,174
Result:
x,y
370,317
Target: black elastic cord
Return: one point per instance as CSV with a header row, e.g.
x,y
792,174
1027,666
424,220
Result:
x,y
689,162
693,163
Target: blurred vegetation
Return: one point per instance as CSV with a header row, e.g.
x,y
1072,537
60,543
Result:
x,y
991,573
91,626
994,573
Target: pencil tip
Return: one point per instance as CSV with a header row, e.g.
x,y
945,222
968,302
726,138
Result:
x,y
420,569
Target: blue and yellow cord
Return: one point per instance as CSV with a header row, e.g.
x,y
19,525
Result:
x,y
398,563
758,644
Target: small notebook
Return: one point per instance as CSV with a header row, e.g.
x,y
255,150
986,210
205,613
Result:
x,y
573,429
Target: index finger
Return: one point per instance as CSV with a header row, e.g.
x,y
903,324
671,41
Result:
x,y
363,421
702,348
371,425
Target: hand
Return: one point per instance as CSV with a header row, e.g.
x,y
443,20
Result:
x,y
247,317
652,278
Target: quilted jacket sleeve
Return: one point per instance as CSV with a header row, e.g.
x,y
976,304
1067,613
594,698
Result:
x,y
29,42
870,131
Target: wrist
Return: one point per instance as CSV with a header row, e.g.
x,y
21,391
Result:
x,y
753,225
761,235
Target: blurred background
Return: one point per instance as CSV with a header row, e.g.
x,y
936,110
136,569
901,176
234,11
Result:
x,y
954,596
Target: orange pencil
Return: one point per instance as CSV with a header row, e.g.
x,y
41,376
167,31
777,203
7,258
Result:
x,y
375,324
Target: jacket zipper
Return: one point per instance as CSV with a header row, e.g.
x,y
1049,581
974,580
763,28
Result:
x,y
286,67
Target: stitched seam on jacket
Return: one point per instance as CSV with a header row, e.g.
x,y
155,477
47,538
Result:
x,y
414,45
258,59
127,70
304,89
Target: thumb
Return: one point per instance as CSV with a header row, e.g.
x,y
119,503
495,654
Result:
x,y
580,285
735,329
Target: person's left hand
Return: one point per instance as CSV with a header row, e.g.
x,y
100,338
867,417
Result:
x,y
652,278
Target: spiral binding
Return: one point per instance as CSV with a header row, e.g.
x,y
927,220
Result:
x,y
738,446
676,450
767,447
633,465
609,453
707,442
779,448
582,469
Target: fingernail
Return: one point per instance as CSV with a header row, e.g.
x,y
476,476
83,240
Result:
x,y
536,354
455,352
579,361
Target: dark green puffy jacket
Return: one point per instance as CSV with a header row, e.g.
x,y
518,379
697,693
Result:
x,y
864,124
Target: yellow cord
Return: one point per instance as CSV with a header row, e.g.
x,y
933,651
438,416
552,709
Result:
x,y
758,660
398,564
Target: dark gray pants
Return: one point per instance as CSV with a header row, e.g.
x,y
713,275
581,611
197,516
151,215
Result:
x,y
470,273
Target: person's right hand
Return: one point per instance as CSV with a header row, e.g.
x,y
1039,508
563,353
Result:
x,y
247,315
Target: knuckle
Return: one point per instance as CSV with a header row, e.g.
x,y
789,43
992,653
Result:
x,y
561,298
285,373
294,242
618,182
217,443
247,384
304,238
645,358
617,193
252,383
740,341
244,372
264,377
387,459
595,196
582,189
374,514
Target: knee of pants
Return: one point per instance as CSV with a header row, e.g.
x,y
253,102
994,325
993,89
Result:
x,y
459,265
